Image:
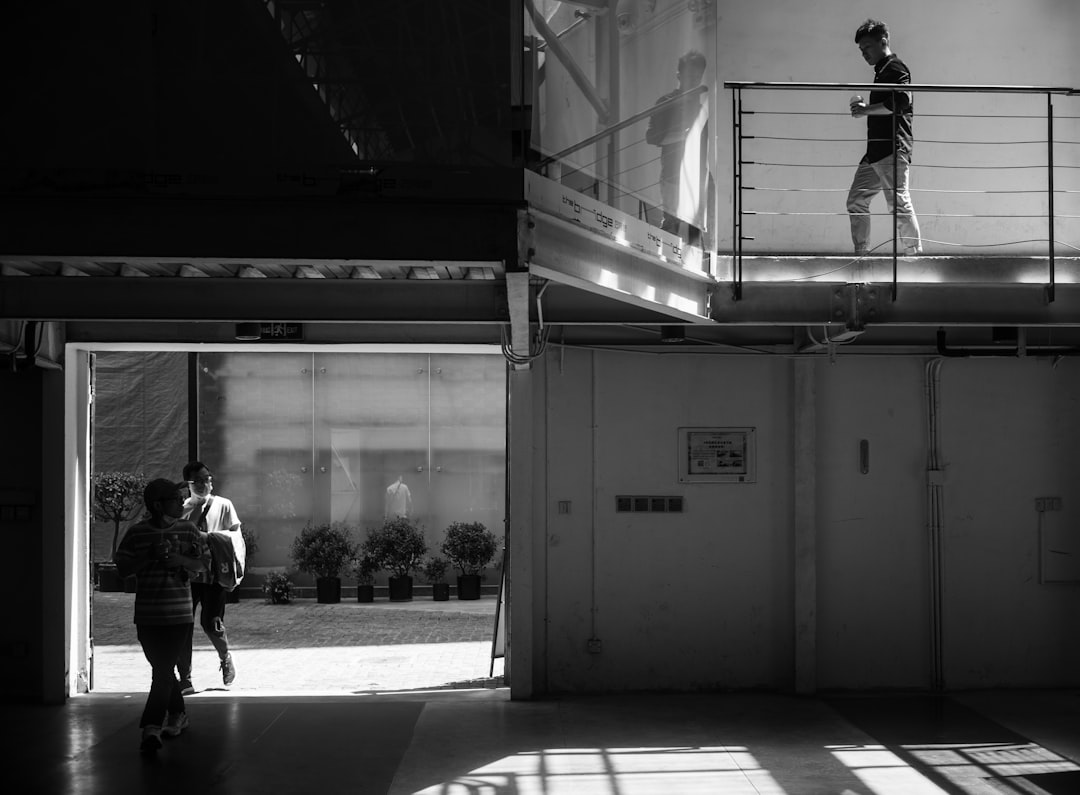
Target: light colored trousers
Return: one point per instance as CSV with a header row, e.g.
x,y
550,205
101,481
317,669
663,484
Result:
x,y
870,179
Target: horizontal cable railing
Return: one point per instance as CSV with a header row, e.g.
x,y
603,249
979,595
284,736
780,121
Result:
x,y
1002,168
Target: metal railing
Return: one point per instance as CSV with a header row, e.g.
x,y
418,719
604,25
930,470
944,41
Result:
x,y
740,162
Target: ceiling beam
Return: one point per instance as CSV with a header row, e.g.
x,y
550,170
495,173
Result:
x,y
237,299
565,253
858,305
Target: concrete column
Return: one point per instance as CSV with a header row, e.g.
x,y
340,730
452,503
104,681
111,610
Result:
x,y
521,653
805,542
53,541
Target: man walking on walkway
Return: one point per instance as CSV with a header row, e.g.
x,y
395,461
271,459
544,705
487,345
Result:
x,y
887,161
211,513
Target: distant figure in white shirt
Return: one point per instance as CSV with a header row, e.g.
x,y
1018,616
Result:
x,y
211,513
398,499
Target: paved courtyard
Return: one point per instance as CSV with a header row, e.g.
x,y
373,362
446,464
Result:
x,y
310,648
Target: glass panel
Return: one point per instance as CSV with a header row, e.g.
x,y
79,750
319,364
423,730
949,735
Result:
x,y
621,107
349,437
468,443
255,435
372,429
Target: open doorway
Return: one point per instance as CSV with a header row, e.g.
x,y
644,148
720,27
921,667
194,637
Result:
x,y
303,435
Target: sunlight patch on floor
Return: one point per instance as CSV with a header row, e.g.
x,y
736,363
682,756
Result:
x,y
626,771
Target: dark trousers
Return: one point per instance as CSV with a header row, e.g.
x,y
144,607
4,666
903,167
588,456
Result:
x,y
162,645
212,619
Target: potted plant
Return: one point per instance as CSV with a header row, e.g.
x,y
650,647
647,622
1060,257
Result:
x,y
470,547
397,546
363,569
323,550
433,571
117,497
278,588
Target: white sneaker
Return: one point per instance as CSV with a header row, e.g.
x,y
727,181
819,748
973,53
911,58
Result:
x,y
175,723
151,739
913,251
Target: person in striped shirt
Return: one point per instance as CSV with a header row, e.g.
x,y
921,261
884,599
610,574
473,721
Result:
x,y
162,551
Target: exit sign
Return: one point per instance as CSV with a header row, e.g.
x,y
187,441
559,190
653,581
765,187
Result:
x,y
285,332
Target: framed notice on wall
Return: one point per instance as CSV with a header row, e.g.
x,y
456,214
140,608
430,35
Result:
x,y
717,455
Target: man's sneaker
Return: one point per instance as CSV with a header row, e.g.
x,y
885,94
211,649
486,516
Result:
x,y
912,251
186,688
228,670
175,722
151,739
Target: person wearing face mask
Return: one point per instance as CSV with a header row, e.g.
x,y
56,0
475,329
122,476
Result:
x,y
163,552
211,513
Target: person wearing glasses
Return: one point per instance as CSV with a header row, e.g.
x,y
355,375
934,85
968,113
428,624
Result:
x,y
211,513
163,552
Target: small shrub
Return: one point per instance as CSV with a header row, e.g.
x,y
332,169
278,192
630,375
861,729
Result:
x,y
364,569
323,550
278,588
469,546
433,570
117,497
397,546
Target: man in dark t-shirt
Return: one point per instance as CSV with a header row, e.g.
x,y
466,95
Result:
x,y
885,166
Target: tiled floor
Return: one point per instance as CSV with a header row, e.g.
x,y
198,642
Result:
x,y
478,741
256,738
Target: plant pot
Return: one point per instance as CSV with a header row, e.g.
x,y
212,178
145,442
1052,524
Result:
x,y
468,586
365,593
401,589
440,591
327,590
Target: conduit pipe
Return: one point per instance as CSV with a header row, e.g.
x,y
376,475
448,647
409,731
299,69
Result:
x,y
935,524
1021,349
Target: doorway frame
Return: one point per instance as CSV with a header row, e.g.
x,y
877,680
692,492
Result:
x,y
78,657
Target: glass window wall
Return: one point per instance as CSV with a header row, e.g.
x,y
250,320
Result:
x,y
349,437
622,94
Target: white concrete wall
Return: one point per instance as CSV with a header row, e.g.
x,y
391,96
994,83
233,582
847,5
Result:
x,y
705,599
1009,434
1007,42
697,600
872,574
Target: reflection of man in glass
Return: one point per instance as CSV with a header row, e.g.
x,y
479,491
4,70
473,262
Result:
x,y
669,127
398,499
